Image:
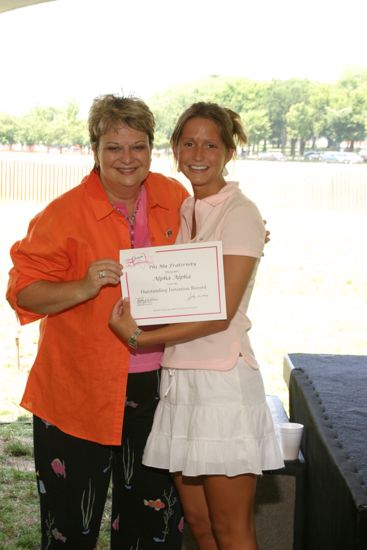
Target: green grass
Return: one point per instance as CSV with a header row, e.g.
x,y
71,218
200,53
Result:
x,y
18,492
19,510
18,448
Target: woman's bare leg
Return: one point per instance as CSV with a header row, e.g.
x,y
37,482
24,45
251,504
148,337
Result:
x,y
195,509
230,501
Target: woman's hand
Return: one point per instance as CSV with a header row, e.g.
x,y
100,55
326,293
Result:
x,y
267,233
121,322
51,297
99,274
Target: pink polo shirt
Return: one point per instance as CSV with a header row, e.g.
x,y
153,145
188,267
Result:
x,y
230,217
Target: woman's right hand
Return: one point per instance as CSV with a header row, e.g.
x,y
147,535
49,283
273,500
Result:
x,y
50,297
100,274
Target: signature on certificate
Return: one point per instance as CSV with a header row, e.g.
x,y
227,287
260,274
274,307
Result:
x,y
142,301
194,296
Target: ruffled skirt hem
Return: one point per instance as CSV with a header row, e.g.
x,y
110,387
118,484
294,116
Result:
x,y
195,458
213,423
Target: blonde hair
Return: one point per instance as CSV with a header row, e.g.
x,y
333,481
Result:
x,y
229,123
109,111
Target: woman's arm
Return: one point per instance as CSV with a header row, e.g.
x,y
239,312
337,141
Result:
x,y
49,297
237,274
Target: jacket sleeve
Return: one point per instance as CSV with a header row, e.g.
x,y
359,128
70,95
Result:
x,y
39,256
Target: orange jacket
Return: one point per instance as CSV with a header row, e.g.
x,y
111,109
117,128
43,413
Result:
x,y
78,380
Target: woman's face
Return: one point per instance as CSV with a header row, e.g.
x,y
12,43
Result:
x,y
124,158
202,155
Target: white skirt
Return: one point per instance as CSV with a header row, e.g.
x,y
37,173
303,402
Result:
x,y
213,422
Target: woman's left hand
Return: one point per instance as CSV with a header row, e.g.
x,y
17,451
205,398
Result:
x,y
267,233
121,321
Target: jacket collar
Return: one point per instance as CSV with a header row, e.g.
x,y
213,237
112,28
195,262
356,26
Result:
x,y
102,207
154,185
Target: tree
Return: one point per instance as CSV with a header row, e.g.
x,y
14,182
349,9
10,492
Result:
x,y
299,126
9,129
37,126
258,127
77,133
276,112
319,102
348,111
55,127
282,94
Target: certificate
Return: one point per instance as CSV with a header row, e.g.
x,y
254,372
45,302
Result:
x,y
175,283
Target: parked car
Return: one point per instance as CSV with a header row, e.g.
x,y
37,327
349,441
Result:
x,y
271,155
312,155
332,156
352,158
341,157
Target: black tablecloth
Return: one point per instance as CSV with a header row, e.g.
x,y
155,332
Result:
x,y
328,394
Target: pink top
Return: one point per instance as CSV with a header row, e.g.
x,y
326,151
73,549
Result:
x,y
149,358
232,218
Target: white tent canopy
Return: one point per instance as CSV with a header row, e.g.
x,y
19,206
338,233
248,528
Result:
x,y
6,5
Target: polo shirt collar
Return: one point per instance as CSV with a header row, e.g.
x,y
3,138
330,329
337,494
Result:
x,y
212,201
222,195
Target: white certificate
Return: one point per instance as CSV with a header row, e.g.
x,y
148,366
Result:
x,y
175,283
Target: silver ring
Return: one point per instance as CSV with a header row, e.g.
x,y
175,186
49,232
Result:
x,y
101,274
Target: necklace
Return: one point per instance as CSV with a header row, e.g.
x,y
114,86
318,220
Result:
x,y
130,220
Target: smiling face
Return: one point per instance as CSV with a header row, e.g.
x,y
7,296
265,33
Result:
x,y
124,158
202,156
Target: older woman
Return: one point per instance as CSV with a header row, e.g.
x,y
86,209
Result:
x,y
85,382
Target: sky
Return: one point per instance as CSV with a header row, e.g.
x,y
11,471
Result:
x,y
67,50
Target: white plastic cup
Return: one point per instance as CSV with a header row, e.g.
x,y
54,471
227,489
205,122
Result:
x,y
290,435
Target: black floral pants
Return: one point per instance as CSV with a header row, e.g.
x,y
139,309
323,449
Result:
x,y
73,477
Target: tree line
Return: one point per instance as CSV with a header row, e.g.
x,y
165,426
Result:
x,y
281,114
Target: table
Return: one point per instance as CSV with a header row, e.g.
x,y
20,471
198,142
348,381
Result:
x,y
279,498
328,394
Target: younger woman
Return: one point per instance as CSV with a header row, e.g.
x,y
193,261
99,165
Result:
x,y
212,430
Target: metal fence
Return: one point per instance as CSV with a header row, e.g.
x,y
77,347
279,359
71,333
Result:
x,y
301,185
41,178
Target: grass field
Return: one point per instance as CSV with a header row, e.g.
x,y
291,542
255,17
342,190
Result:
x,y
19,511
310,297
